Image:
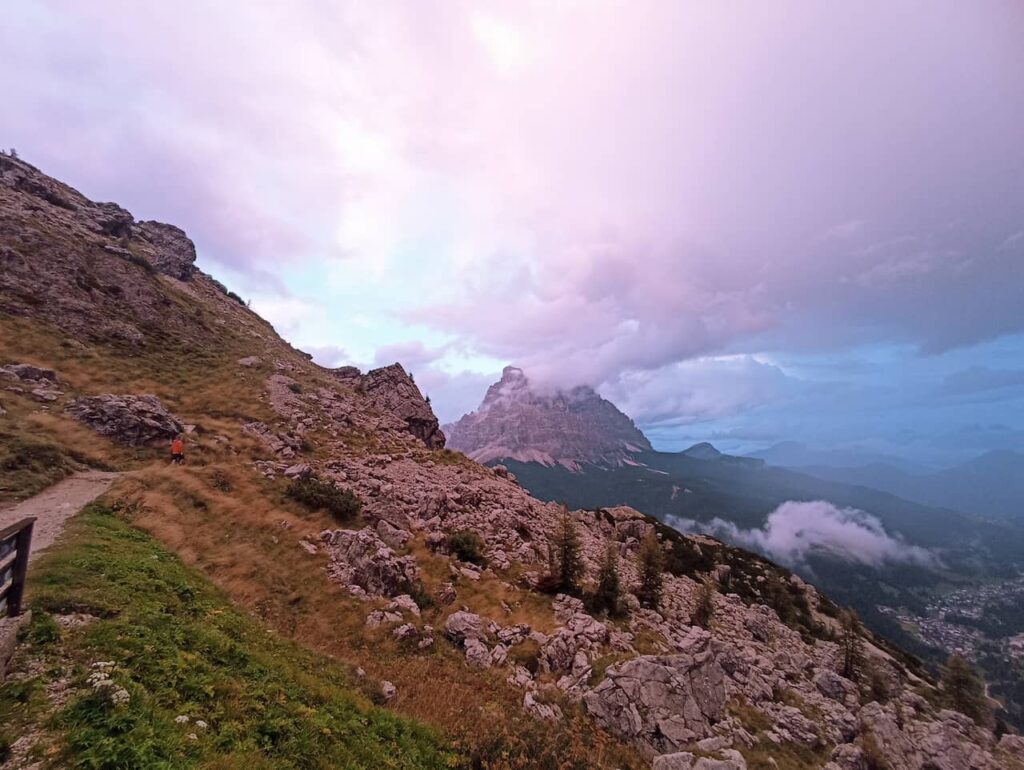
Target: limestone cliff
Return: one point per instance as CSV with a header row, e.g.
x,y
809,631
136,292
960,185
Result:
x,y
516,421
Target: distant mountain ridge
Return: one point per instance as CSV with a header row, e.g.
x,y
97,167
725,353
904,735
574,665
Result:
x,y
568,427
989,485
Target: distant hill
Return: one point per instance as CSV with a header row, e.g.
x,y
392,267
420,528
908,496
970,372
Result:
x,y
793,454
989,485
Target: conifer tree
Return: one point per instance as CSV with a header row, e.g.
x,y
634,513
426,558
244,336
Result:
x,y
852,645
652,561
964,689
705,609
606,597
567,555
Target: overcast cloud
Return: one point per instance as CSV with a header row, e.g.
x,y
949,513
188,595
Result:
x,y
664,199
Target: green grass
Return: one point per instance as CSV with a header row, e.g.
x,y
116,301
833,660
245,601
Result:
x,y
180,648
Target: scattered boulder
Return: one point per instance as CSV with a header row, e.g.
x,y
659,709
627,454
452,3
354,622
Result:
x,y
360,558
462,626
388,690
684,760
544,711
128,419
663,702
297,471
28,373
833,686
477,654
404,603
250,362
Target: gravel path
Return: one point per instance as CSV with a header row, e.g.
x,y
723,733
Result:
x,y
56,505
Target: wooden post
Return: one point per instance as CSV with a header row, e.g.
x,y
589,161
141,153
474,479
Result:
x,y
21,534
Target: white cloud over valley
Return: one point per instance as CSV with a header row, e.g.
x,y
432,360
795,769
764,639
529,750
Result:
x,y
795,530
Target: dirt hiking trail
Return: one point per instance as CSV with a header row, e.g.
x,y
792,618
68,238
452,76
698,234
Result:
x,y
55,505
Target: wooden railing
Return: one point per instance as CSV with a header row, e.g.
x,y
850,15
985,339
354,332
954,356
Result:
x,y
15,541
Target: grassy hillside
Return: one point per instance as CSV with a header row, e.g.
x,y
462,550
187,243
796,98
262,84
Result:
x,y
176,647
241,531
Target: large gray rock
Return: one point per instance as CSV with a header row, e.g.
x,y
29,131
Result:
x,y
127,419
28,373
462,625
684,760
360,558
174,254
663,702
9,628
393,392
949,742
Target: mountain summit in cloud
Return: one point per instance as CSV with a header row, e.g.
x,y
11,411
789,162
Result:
x,y
567,427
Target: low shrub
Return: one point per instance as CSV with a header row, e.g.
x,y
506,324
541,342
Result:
x,y
43,629
526,654
316,494
418,592
468,546
142,262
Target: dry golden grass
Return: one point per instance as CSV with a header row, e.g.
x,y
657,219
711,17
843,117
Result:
x,y
246,541
238,528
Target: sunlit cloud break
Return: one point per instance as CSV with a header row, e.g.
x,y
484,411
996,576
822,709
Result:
x,y
796,530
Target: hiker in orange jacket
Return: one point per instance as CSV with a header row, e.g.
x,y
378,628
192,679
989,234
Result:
x,y
178,450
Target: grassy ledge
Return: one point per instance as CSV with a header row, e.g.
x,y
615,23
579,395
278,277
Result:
x,y
170,645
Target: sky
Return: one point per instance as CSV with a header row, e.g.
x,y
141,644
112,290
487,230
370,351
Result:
x,y
742,222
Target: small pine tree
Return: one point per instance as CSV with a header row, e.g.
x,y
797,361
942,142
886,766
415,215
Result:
x,y
964,689
705,609
852,645
567,555
606,596
652,562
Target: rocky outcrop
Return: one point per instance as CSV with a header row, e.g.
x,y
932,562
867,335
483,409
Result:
x,y
173,253
127,419
685,760
28,373
38,383
93,271
663,702
567,427
391,391
362,561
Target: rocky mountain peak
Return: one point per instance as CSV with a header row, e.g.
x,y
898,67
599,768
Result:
x,y
519,421
702,451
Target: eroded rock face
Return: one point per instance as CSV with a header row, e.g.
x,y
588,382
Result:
x,y
360,558
663,702
392,391
174,254
128,419
88,267
571,427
